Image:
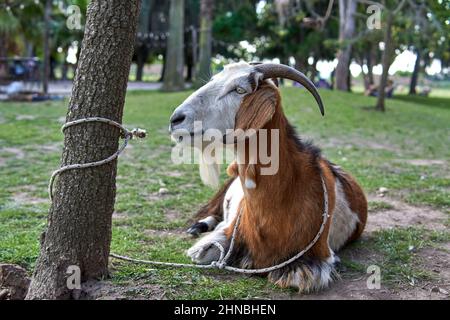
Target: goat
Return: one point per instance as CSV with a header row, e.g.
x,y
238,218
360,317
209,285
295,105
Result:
x,y
281,213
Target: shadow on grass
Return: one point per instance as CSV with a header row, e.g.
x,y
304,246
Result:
x,y
436,102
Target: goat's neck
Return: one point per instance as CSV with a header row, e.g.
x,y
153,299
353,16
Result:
x,y
268,190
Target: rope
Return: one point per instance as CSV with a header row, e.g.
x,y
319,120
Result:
x,y
221,263
126,135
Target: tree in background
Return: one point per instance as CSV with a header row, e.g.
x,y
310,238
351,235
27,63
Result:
x,y
79,222
206,19
234,21
142,48
347,10
298,31
174,64
426,36
391,13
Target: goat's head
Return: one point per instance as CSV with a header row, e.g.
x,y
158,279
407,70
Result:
x,y
216,105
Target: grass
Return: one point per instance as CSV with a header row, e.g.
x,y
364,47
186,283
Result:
x,y
376,148
398,248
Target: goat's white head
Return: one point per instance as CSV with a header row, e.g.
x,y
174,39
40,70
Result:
x,y
216,104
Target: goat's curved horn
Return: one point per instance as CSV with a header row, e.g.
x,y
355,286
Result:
x,y
275,70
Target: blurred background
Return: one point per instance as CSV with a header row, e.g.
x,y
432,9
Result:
x,y
340,44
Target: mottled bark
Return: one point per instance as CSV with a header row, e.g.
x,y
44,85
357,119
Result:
x,y
204,64
347,10
79,222
174,64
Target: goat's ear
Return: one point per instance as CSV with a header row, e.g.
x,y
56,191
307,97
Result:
x,y
257,108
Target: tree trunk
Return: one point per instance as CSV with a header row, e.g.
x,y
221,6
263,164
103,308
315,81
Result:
x,y
79,223
46,66
141,58
204,63
370,63
415,74
174,66
347,10
386,63
142,50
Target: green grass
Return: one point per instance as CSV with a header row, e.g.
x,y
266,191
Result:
x,y
374,147
398,248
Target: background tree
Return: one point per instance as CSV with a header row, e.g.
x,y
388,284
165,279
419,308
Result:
x,y
294,31
46,42
79,223
390,12
142,48
206,19
347,10
174,65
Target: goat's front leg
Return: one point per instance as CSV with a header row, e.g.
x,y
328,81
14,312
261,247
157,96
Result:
x,y
203,225
204,251
210,214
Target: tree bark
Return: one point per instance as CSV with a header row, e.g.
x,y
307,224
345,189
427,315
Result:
x,y
79,223
415,74
174,66
386,63
347,10
204,63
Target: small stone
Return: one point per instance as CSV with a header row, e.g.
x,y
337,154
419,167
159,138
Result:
x,y
4,294
163,191
14,279
383,190
443,291
435,289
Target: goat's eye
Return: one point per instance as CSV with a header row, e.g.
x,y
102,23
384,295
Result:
x,y
240,90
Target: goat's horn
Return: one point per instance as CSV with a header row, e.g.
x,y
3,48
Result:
x,y
275,70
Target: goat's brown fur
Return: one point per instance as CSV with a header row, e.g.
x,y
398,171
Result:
x,y
283,214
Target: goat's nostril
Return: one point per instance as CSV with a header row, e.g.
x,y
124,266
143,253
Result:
x,y
177,119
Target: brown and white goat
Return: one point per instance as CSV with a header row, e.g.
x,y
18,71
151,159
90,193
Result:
x,y
281,213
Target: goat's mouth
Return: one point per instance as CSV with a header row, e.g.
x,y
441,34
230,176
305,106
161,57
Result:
x,y
185,136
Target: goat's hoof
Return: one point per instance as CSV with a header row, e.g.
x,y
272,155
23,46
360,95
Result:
x,y
197,228
204,254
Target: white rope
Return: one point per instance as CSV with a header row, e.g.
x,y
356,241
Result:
x,y
221,263
126,134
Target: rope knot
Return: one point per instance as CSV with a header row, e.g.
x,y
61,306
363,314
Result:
x,y
138,133
218,264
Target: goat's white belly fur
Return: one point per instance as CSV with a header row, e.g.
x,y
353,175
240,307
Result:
x,y
203,252
344,220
